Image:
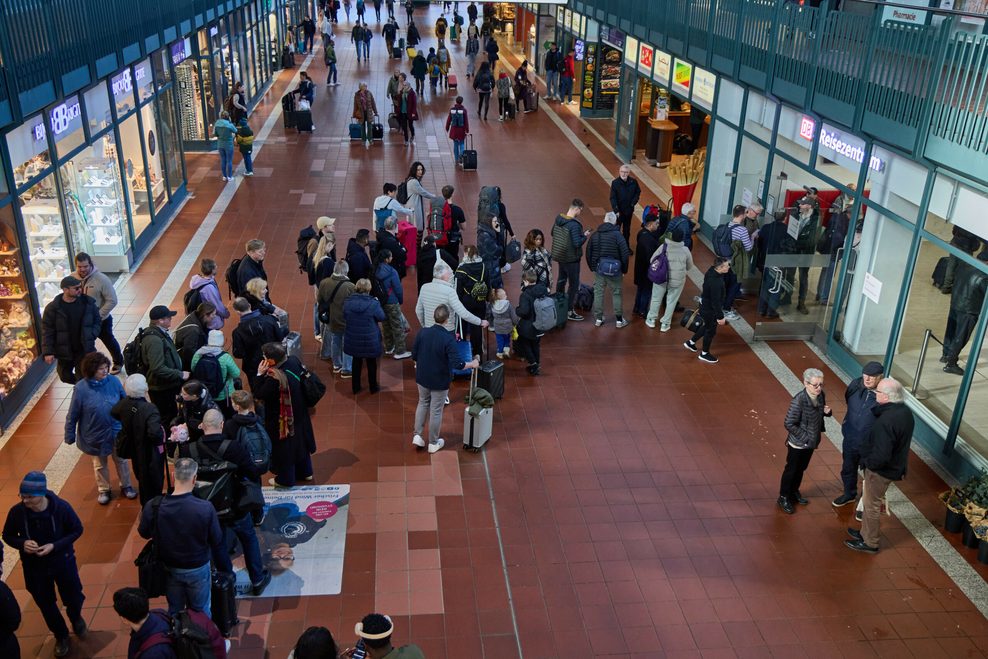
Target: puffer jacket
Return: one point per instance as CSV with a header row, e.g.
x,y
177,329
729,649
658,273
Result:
x,y
357,259
326,288
189,337
526,310
390,282
804,420
362,336
680,262
607,242
161,356
491,248
502,316
567,239
231,372
56,334
467,276
88,422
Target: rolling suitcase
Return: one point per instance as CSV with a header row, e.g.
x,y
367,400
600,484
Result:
x,y
401,42
282,316
293,344
303,121
288,109
393,124
224,602
356,132
377,129
511,109
531,98
470,156
490,375
451,81
396,52
477,429
562,308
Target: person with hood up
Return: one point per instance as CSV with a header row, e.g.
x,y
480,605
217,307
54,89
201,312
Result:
x,y
457,126
209,291
503,316
90,425
142,437
357,257
364,111
229,372
395,323
362,336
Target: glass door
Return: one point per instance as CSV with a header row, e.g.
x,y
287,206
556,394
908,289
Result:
x,y
627,114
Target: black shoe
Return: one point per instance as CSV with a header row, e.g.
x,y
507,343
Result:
x,y
572,315
953,369
708,358
62,647
258,588
80,627
943,360
859,545
801,308
357,390
844,499
375,388
689,345
856,534
801,500
786,506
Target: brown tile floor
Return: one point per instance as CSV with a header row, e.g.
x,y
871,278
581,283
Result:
x,y
633,486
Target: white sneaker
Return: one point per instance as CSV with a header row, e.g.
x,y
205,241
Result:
x,y
389,351
418,441
664,328
403,355
623,323
599,322
507,352
249,174
438,445
731,315
650,323
447,401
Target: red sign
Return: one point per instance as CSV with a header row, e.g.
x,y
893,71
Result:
x,y
645,57
806,128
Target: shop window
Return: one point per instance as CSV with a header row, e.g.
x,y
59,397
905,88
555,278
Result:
x,y
134,175
168,138
898,183
18,336
94,205
730,100
144,81
750,175
47,251
161,62
122,88
154,185
190,105
4,191
28,147
759,116
974,423
65,124
795,135
717,194
98,108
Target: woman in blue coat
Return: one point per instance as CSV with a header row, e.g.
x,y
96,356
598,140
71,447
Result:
x,y
362,336
90,426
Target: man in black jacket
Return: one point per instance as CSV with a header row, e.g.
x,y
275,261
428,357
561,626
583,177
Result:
x,y
625,193
193,332
711,308
553,64
568,237
387,238
648,241
357,258
529,341
70,326
607,256
885,457
254,330
966,298
252,266
861,400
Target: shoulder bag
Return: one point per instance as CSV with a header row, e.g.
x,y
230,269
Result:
x,y
152,575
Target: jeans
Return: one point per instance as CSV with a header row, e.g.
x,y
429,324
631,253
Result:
x,y
331,76
551,83
472,66
226,161
503,341
569,272
358,363
189,588
849,467
459,146
671,295
41,582
243,529
341,360
248,161
307,43
875,487
960,326
110,341
566,88
432,403
102,469
614,283
393,329
797,460
316,325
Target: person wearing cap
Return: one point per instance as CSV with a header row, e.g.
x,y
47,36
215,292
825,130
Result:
x,y
807,219
142,437
164,366
680,262
812,196
229,371
93,429
861,402
98,286
70,325
648,242
44,528
375,631
686,221
625,193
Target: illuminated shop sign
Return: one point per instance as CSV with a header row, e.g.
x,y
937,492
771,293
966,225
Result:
x,y
806,128
61,120
835,141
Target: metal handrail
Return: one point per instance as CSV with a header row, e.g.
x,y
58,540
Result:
x,y
922,358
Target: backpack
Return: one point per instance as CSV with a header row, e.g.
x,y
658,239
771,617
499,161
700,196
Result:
x,y
188,636
722,240
402,194
217,479
258,444
231,277
313,388
436,226
486,85
302,248
584,298
133,355
193,297
489,204
377,290
658,268
562,243
479,291
545,313
209,371
457,118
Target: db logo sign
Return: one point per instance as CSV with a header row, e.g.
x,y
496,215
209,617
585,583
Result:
x,y
806,127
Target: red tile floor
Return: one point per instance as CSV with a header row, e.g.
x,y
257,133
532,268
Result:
x,y
625,506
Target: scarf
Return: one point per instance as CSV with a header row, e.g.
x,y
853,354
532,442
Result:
x,y
286,416
362,101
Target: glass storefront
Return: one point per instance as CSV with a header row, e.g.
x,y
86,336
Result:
x,y
18,336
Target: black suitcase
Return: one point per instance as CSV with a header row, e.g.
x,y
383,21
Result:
x,y
396,52
303,121
377,130
490,375
223,602
287,58
562,308
470,156
940,271
511,109
288,109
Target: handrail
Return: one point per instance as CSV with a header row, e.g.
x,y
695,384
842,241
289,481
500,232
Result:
x,y
922,358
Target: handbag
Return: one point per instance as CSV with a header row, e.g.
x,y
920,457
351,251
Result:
x,y
251,497
608,267
692,320
152,574
304,105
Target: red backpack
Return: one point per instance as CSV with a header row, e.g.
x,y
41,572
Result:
x,y
443,238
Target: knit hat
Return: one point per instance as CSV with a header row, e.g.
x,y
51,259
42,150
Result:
x,y
215,339
136,385
34,484
677,235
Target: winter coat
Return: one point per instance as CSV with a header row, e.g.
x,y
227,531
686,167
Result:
x,y
390,282
804,420
58,524
484,83
411,104
540,262
10,621
210,292
885,450
358,260
682,222
57,336
257,304
245,139
567,239
426,261
490,246
250,269
337,322
680,261
224,131
553,60
624,195
526,310
439,292
255,329
458,133
472,47
141,422
492,50
436,356
860,402
648,242
189,337
806,238
502,316
418,198
191,412
968,292
162,359
399,254
303,442
228,368
712,295
394,87
89,413
157,623
368,110
466,277
607,242
419,66
362,336
412,37
503,86
99,287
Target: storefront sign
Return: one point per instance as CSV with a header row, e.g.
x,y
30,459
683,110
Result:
x,y
630,51
833,140
609,80
806,128
180,51
588,71
905,14
62,118
704,85
682,73
646,58
872,288
663,65
579,46
613,37
123,83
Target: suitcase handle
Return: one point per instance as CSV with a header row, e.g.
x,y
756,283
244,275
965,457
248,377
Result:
x,y
470,140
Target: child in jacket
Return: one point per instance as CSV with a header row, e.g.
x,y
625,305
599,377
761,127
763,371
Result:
x,y
245,142
503,318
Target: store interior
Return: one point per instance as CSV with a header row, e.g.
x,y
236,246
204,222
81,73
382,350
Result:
x,y
18,338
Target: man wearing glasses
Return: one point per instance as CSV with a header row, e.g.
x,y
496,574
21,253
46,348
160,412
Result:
x,y
70,326
804,422
884,456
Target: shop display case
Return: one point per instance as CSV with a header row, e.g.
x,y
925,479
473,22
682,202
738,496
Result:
x,y
96,211
18,337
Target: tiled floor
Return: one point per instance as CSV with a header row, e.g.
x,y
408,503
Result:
x,y
625,506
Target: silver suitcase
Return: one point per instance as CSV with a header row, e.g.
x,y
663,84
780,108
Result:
x,y
477,429
293,344
282,317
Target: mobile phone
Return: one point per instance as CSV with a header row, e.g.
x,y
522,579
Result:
x,y
359,651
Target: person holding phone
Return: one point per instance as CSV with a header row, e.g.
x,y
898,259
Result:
x,y
804,423
374,641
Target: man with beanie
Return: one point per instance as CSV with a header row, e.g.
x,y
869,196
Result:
x,y
70,326
625,193
141,437
98,286
165,374
568,237
216,369
43,528
861,401
375,631
607,256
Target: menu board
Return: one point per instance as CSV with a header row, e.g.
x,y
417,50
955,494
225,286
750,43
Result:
x,y
609,80
589,68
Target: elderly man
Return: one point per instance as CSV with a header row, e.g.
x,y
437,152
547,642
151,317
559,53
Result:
x,y
625,193
686,222
607,256
442,290
885,457
861,401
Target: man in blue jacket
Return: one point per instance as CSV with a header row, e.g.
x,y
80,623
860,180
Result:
x,y
43,528
861,400
436,357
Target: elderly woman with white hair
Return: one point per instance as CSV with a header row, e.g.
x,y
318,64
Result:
x,y
804,424
217,371
364,112
141,438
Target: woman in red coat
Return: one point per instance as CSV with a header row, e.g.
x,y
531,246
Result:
x,y
458,125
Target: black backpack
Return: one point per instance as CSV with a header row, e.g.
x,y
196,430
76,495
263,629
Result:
x,y
722,240
188,636
216,481
313,388
231,277
258,444
133,355
209,371
302,248
193,297
402,195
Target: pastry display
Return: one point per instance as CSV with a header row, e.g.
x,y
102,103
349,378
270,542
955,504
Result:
x,y
18,339
13,366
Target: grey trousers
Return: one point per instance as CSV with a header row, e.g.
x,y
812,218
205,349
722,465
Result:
x,y
614,283
431,403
